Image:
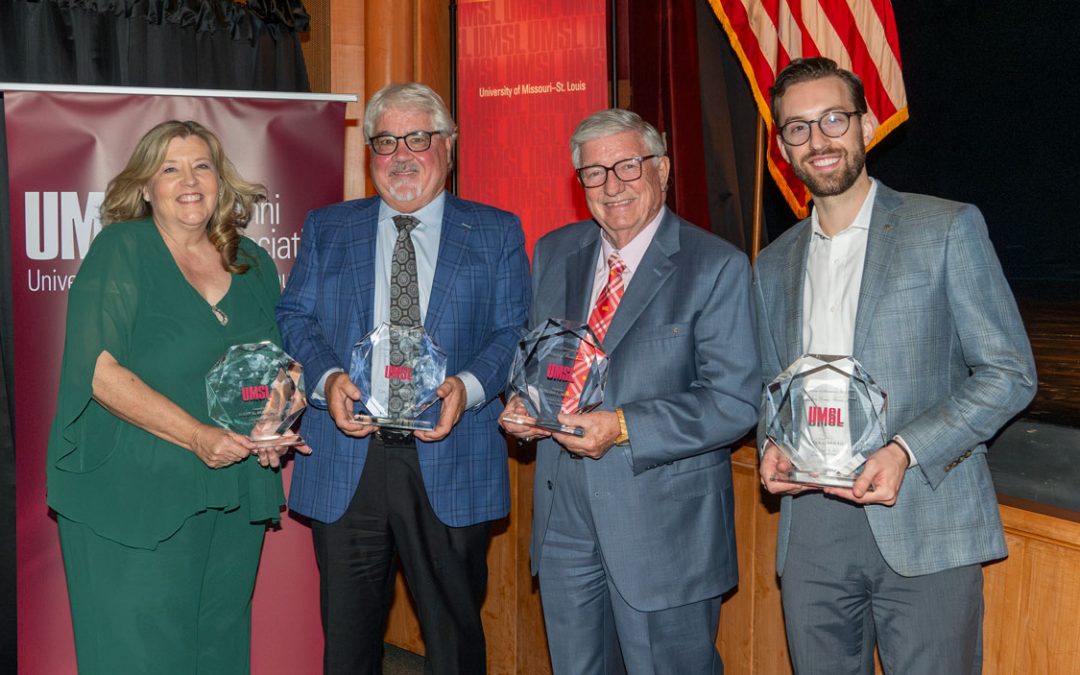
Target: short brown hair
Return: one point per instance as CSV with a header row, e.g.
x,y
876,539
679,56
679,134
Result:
x,y
808,70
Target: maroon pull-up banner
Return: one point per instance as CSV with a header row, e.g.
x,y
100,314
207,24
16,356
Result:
x,y
63,147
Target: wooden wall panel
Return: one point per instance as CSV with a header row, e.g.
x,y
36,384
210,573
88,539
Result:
x,y
347,50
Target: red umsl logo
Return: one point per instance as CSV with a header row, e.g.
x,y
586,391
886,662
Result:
x,y
823,417
255,393
561,373
399,373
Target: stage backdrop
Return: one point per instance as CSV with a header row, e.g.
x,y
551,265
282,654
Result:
x,y
527,71
63,147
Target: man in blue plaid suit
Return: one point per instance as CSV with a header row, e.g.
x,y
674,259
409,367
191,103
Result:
x,y
910,286
428,496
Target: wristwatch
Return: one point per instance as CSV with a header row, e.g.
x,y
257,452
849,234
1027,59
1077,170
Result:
x,y
624,436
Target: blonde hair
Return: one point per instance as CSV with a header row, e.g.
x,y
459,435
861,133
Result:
x,y
124,195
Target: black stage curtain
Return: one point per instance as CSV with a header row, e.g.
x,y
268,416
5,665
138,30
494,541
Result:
x,y
203,44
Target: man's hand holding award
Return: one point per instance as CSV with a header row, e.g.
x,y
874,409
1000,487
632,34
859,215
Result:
x,y
398,370
560,367
826,415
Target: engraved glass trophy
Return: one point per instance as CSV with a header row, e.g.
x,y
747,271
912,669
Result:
x,y
826,415
257,390
397,369
559,367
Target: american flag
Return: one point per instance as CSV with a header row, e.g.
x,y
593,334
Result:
x,y
860,35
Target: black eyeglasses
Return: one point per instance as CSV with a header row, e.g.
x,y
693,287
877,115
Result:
x,y
626,170
833,124
386,144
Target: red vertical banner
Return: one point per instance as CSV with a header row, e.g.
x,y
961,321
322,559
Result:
x,y
528,72
62,150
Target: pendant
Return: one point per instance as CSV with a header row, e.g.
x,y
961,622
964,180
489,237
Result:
x,y
220,315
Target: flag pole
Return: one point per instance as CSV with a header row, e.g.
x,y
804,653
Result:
x,y
759,187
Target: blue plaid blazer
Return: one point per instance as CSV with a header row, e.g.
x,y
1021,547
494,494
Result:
x,y
938,328
478,304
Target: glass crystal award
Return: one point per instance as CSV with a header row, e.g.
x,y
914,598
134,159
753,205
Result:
x,y
560,367
257,390
826,415
397,369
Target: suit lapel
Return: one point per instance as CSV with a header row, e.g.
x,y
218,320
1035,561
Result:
x,y
580,269
361,247
880,246
651,274
794,281
453,243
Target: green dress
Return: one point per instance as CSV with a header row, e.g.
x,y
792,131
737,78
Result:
x,y
132,300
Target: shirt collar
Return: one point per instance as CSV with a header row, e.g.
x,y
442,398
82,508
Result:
x,y
429,215
633,252
862,218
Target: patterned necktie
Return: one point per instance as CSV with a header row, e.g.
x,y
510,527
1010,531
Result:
x,y
600,320
404,311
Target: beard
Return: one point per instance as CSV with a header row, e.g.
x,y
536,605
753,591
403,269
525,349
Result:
x,y
829,186
405,188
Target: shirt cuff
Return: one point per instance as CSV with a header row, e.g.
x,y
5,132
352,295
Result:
x,y
912,460
474,391
319,394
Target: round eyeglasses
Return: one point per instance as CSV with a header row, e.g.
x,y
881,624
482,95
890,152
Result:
x,y
626,170
833,124
386,144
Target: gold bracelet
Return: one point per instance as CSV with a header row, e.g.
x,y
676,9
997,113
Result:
x,y
624,435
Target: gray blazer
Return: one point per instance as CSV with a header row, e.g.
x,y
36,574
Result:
x,y
938,328
684,370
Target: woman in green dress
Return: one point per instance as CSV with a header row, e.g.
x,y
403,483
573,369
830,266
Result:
x,y
161,512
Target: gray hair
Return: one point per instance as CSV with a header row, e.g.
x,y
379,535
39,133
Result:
x,y
411,96
615,121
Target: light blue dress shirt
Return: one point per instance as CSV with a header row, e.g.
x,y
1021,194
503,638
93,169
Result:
x,y
425,238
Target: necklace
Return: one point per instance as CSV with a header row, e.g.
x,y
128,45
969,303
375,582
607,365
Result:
x,y
220,315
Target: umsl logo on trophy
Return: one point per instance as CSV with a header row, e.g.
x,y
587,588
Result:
x,y
817,416
559,372
255,393
399,373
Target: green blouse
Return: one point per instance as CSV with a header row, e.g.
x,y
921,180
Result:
x,y
131,299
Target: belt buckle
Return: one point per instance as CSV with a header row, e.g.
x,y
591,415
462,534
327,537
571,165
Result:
x,y
395,436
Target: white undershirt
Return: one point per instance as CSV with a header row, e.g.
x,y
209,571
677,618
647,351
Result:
x,y
834,267
834,270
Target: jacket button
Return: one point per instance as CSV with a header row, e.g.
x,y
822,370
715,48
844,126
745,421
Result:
x,y
550,486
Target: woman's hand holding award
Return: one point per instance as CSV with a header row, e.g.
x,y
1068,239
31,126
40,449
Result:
x,y
257,390
826,415
560,367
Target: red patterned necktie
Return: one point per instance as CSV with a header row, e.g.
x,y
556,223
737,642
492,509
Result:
x,y
599,321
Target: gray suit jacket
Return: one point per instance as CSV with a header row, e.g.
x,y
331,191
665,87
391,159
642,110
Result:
x,y
683,367
938,328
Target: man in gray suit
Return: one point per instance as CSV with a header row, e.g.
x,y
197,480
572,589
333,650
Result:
x,y
633,537
910,286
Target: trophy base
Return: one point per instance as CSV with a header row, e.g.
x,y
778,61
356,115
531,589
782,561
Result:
x,y
821,479
277,442
395,422
546,426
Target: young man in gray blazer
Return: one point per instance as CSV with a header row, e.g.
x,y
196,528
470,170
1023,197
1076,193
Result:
x,y
633,537
910,286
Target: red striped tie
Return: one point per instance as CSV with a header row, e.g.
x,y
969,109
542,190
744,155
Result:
x,y
599,321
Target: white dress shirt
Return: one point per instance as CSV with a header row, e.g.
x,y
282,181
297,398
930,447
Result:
x,y
426,236
631,255
834,270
